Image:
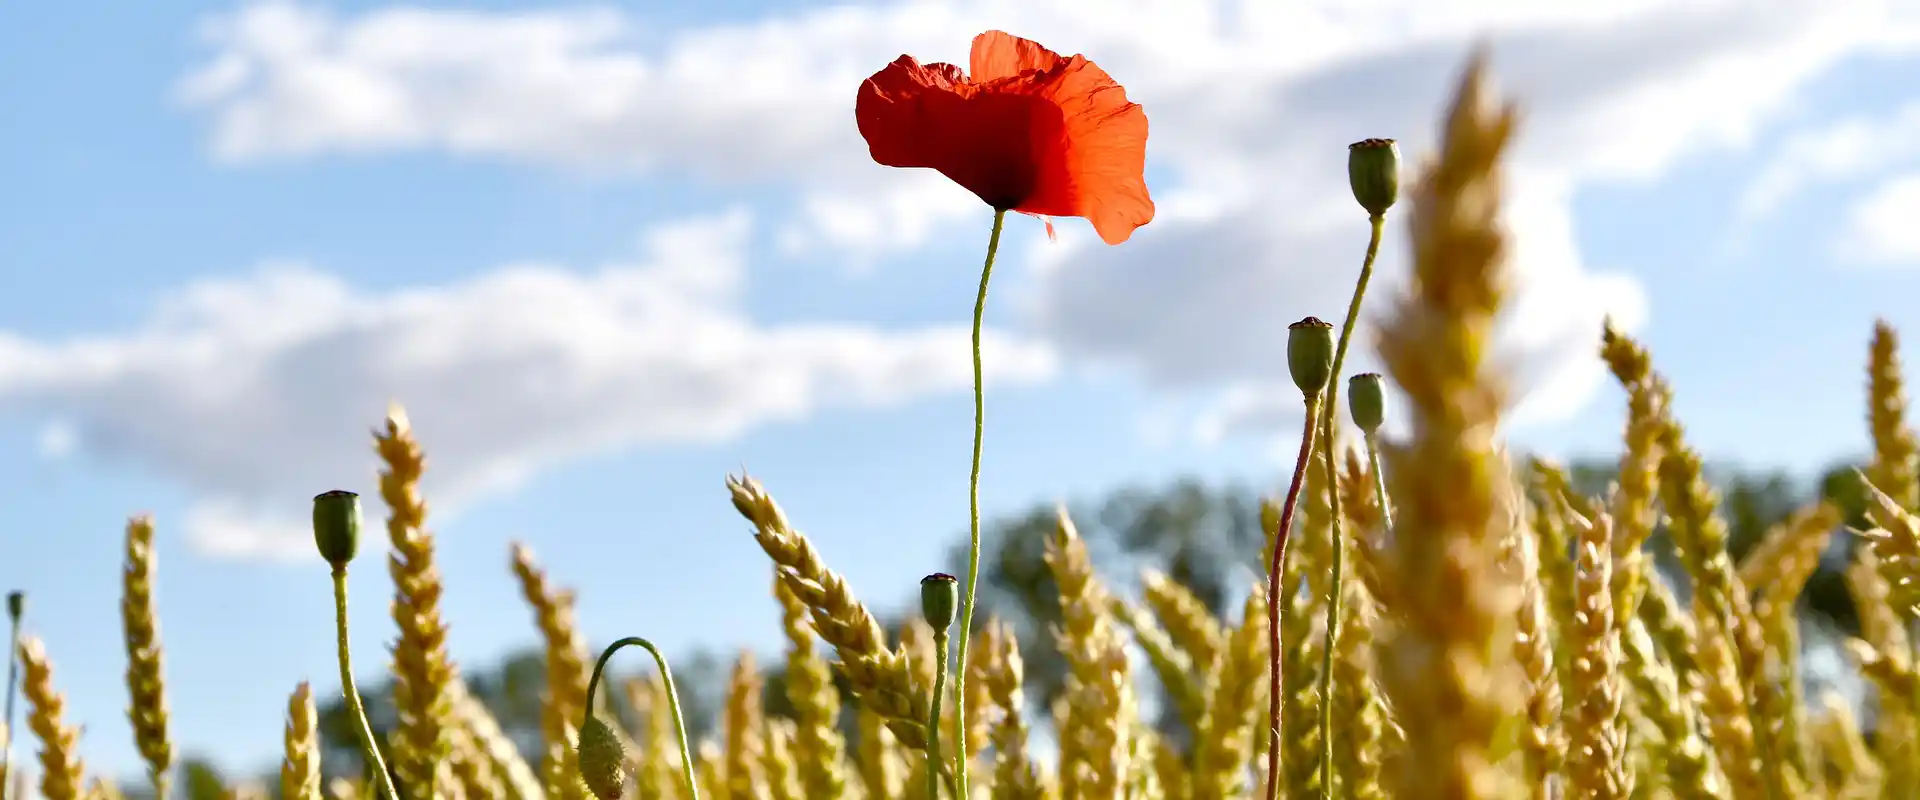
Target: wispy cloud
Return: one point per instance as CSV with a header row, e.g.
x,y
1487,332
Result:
x,y
258,392
1842,150
1881,227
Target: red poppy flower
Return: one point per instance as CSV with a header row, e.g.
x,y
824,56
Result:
x,y
1030,131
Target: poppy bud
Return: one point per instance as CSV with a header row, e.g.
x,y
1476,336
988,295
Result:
x,y
16,605
939,600
601,759
1373,169
1367,401
336,526
1310,354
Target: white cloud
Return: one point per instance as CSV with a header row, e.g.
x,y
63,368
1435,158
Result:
x,y
773,97
506,373
1881,228
554,87
58,440
1202,299
869,223
1251,102
1842,150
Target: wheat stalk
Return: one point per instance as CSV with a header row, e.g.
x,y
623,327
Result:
x,y
879,676
1191,627
981,706
1793,553
146,683
1693,771
565,699
422,669
519,779
62,774
1169,661
1093,746
1451,690
777,761
882,760
1223,741
1597,767
300,766
1849,767
817,745
659,755
744,746
1648,401
1544,744
1896,545
1014,775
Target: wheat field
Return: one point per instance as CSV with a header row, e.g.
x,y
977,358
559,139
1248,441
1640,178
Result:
x,y
1494,635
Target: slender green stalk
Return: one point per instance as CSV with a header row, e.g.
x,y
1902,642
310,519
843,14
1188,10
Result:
x,y
934,764
1307,435
1378,224
1379,481
673,704
13,686
973,503
352,693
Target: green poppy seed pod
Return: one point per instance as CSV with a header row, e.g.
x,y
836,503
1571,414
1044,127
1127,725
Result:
x,y
16,605
1373,169
1310,354
336,526
939,600
601,759
1367,401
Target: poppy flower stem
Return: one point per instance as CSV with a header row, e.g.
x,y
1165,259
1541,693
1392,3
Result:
x,y
973,506
933,722
1308,432
16,608
355,708
1334,586
1379,481
673,703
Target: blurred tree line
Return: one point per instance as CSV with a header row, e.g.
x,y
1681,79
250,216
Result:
x,y
1205,537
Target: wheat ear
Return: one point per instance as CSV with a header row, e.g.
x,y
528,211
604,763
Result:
x,y
422,669
1452,691
146,682
300,767
62,774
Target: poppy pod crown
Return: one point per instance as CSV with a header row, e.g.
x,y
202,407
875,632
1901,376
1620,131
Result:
x,y
1027,131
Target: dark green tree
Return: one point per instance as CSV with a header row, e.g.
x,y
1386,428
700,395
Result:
x,y
200,780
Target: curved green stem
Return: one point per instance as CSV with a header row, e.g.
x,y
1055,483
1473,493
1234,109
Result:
x,y
352,692
934,764
1274,601
673,704
1379,481
973,502
1378,224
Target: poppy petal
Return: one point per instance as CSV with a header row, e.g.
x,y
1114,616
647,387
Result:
x,y
1094,169
1048,222
891,110
998,54
1030,131
930,116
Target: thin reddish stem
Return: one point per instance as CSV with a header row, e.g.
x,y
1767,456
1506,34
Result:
x,y
1308,429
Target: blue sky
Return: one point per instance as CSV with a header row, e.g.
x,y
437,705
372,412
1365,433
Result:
x,y
606,254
